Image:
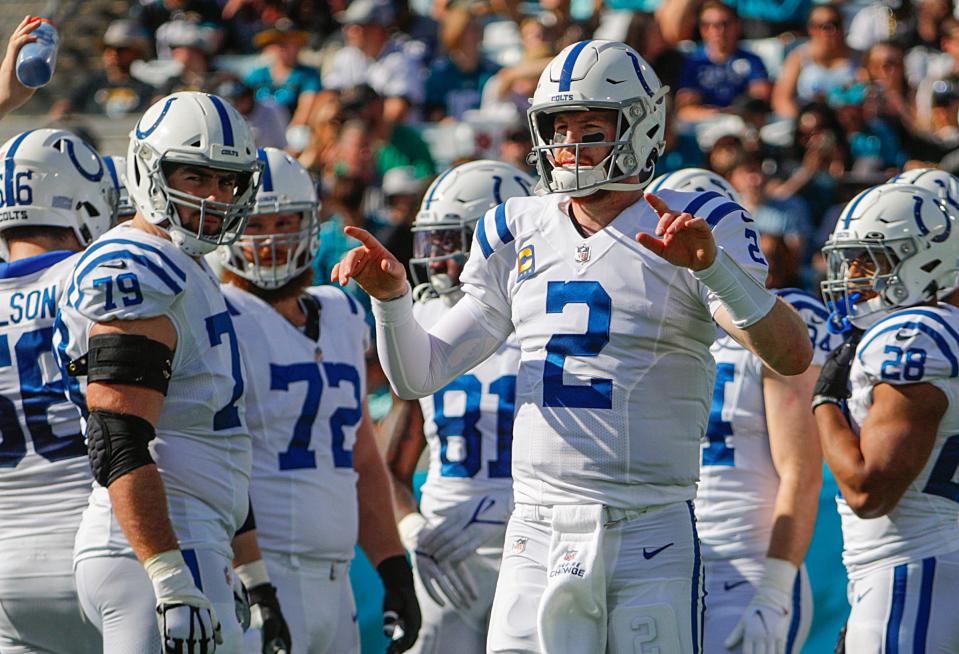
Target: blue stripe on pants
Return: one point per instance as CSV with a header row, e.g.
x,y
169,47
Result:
x,y
900,577
797,613
925,606
697,608
189,556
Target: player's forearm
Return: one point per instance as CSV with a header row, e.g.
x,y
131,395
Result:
x,y
418,362
780,339
378,535
794,516
840,449
139,503
246,548
404,502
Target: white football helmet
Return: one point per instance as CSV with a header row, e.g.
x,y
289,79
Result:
x,y
53,178
695,179
285,187
117,167
940,182
599,75
893,246
443,229
201,130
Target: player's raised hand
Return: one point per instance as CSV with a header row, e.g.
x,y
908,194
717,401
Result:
x,y
373,267
12,93
681,238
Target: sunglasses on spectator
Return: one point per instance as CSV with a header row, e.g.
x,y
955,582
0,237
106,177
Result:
x,y
826,26
717,24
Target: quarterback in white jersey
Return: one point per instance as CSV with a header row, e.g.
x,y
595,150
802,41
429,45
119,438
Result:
x,y
455,537
144,321
319,485
56,198
612,297
892,251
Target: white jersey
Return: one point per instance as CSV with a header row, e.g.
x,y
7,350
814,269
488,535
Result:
x,y
44,472
738,482
469,427
202,447
615,375
915,345
304,404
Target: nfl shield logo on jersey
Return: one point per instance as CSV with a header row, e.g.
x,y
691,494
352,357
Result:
x,y
519,544
582,253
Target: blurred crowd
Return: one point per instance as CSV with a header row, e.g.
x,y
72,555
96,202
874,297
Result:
x,y
798,104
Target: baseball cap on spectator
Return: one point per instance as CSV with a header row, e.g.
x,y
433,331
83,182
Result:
x,y
282,30
180,33
125,33
367,12
401,180
726,125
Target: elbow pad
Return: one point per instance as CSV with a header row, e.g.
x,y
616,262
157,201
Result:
x,y
125,359
117,443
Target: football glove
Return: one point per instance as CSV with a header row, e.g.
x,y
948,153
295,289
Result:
x,y
764,627
265,609
187,621
241,602
445,582
401,611
454,540
833,384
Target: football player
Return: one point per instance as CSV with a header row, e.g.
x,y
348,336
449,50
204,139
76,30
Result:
x,y
319,484
145,325
612,296
894,458
759,481
56,199
455,537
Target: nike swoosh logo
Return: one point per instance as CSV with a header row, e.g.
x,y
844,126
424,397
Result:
x,y
746,219
862,594
615,81
903,337
114,264
735,584
648,553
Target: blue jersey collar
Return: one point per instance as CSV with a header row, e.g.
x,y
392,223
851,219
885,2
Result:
x,y
30,265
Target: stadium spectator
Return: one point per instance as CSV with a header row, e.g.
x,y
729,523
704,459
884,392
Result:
x,y
814,68
645,36
719,72
515,147
151,14
783,224
815,162
388,65
403,191
766,18
939,68
267,120
886,20
285,80
112,90
192,47
455,82
926,43
244,19
873,146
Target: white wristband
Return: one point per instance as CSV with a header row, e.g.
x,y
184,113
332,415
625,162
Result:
x,y
779,575
747,300
393,311
253,574
409,526
164,564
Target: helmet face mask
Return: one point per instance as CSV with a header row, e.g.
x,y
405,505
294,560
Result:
x,y
283,232
201,131
893,247
599,75
440,251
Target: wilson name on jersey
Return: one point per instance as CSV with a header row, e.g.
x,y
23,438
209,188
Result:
x,y
44,473
304,404
614,382
738,482
915,345
202,447
469,427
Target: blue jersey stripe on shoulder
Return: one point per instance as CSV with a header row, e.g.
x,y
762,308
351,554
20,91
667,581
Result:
x,y
721,212
924,328
146,246
566,76
701,200
932,315
483,239
132,256
502,229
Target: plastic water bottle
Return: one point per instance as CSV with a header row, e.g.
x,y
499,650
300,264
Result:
x,y
37,60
